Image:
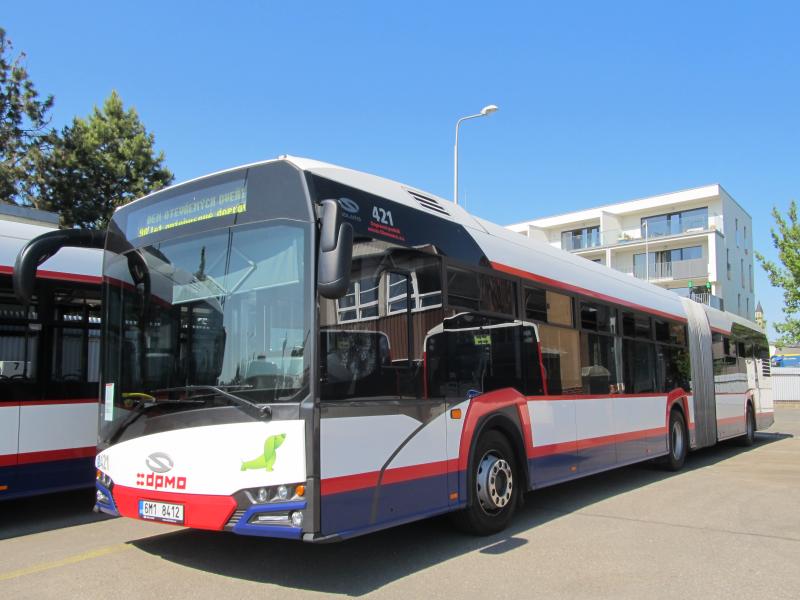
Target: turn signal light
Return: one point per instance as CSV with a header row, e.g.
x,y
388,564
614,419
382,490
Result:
x,y
455,413
300,490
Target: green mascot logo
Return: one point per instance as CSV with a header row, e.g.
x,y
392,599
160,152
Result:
x,y
266,460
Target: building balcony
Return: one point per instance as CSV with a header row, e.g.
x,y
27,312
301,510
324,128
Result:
x,y
695,268
653,232
659,231
708,299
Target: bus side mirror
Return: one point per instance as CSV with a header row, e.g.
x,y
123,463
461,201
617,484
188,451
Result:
x,y
42,247
335,252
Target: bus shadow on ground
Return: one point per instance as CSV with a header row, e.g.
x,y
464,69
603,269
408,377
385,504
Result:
x,y
362,565
26,516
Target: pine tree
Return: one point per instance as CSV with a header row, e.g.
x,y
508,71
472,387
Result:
x,y
99,163
24,127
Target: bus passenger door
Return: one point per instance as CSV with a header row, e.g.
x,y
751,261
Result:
x,y
382,440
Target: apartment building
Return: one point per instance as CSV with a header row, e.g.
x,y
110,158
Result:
x,y
697,243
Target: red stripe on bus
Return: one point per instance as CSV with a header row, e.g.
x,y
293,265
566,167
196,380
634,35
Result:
x,y
360,481
349,483
58,275
26,458
585,443
401,474
8,460
586,292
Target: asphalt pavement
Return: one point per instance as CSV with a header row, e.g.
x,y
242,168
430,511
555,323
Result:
x,y
726,526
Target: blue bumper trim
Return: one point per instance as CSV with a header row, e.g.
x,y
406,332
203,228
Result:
x,y
107,507
244,527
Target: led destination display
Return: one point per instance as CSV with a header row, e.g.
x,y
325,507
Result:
x,y
211,202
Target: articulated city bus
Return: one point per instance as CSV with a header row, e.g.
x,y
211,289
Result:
x,y
49,368
298,350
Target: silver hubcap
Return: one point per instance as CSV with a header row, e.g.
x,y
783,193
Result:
x,y
677,440
494,483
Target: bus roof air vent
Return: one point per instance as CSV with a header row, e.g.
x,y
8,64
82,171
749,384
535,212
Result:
x,y
428,203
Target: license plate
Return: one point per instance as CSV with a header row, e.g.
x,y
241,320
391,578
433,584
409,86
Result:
x,y
161,511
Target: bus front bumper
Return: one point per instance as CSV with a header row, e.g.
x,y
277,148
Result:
x,y
279,519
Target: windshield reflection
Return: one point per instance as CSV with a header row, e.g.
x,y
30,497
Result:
x,y
227,308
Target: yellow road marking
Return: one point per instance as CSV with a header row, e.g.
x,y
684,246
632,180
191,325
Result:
x,y
69,560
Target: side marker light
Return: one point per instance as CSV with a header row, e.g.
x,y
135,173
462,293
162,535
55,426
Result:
x,y
455,413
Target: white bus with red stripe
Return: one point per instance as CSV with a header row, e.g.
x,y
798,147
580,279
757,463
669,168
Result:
x,y
294,349
49,365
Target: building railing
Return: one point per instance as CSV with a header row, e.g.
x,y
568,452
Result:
x,y
679,269
580,241
613,237
708,299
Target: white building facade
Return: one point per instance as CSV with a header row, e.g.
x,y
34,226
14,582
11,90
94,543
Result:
x,y
697,243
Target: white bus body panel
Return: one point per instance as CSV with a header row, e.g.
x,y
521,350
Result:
x,y
210,458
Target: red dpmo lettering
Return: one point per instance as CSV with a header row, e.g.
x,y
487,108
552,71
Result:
x,y
160,482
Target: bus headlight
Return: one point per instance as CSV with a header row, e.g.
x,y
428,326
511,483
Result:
x,y
278,493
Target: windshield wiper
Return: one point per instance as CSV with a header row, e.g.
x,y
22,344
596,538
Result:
x,y
259,411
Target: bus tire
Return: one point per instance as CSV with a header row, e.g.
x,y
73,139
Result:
x,y
493,486
677,442
749,436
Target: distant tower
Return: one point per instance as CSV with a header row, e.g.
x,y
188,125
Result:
x,y
760,316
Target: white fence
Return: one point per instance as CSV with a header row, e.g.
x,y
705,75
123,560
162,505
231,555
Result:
x,y
786,384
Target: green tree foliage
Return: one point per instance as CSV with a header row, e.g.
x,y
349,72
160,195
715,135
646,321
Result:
x,y
787,276
24,132
99,163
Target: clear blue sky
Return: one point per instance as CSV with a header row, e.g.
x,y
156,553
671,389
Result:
x,y
599,102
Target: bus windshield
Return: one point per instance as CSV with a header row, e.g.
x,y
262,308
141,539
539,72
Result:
x,y
225,309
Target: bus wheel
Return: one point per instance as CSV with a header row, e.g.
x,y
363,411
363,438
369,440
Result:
x,y
677,440
749,427
494,489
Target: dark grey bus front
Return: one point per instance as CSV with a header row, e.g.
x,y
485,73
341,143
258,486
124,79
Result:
x,y
207,415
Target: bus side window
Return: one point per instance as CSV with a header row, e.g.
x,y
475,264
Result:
x,y
19,340
561,359
371,339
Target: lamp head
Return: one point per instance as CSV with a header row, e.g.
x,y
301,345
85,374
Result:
x,y
487,110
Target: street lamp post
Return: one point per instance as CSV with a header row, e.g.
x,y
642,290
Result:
x,y
646,253
485,111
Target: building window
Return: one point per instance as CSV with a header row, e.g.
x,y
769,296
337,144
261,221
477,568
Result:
x,y
361,301
737,232
675,223
747,302
586,237
424,291
728,261
750,267
739,303
741,271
